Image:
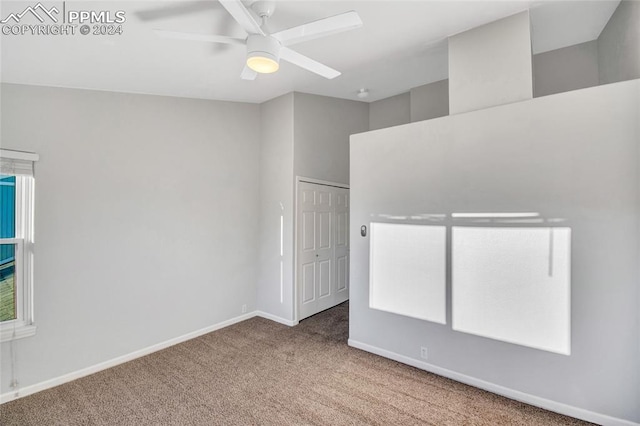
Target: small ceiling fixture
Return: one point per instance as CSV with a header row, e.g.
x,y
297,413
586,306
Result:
x,y
363,93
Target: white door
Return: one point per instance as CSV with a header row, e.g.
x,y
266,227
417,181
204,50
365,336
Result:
x,y
323,248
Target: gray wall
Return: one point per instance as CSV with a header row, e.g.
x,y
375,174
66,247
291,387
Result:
x,y
421,103
146,221
491,65
619,44
276,200
302,135
389,112
322,126
430,101
570,68
572,156
613,57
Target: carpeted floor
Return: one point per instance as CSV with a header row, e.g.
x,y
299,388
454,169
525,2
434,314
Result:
x,y
262,373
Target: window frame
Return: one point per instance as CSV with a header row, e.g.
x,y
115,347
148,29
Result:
x,y
24,323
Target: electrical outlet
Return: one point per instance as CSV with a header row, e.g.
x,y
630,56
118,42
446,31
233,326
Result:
x,y
244,309
423,353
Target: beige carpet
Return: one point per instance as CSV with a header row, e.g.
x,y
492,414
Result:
x,y
262,373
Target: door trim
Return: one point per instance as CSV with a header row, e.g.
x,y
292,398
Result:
x,y
319,182
314,181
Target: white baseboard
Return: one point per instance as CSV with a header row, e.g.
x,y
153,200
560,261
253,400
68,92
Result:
x,y
276,318
28,390
547,404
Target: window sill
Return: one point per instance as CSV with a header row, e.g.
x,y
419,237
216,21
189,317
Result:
x,y
8,332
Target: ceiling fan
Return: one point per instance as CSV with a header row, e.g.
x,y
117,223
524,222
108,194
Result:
x,y
265,50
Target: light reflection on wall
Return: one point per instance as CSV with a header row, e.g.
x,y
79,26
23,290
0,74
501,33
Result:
x,y
511,274
408,270
513,285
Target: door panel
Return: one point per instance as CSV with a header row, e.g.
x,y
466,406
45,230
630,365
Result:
x,y
308,282
324,197
308,197
308,231
343,273
342,229
324,278
324,230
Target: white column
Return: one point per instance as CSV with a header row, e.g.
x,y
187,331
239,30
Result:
x,y
491,65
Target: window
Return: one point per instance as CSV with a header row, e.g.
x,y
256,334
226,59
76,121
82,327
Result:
x,y
16,244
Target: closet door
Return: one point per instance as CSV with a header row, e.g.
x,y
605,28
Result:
x,y
322,257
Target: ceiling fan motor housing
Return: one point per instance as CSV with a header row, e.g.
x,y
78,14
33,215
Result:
x,y
262,47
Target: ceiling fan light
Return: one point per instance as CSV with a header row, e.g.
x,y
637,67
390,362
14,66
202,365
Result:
x,y
262,64
263,53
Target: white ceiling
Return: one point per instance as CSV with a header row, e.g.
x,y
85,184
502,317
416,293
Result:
x,y
401,45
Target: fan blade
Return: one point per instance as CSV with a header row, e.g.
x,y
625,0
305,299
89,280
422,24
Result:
x,y
320,28
242,15
248,74
307,63
223,26
199,37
